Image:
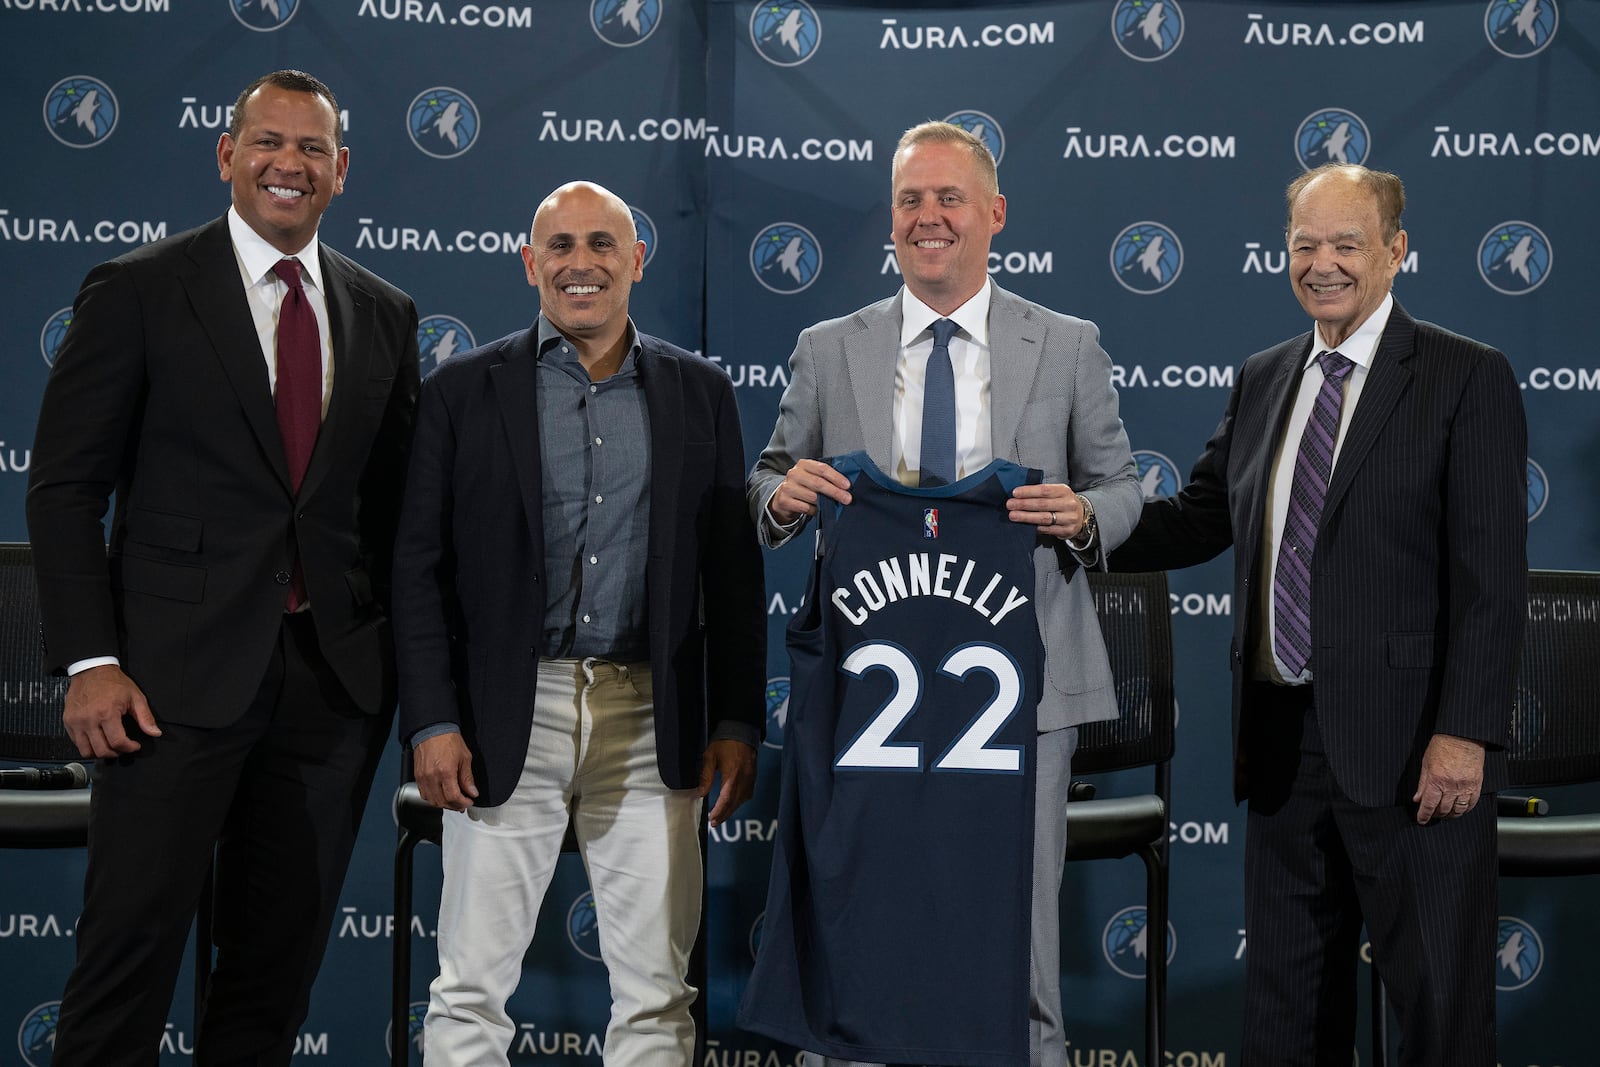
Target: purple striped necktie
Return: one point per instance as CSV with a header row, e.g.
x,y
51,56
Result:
x,y
1313,464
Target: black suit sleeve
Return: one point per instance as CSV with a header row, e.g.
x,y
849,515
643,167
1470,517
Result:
x,y
425,569
1485,534
1193,526
86,421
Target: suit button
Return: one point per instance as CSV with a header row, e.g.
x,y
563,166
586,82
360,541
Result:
x,y
300,515
282,577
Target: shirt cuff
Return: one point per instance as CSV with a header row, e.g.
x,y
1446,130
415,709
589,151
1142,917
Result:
x,y
787,529
97,661
732,730
433,730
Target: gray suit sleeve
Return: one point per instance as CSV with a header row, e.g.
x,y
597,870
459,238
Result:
x,y
797,436
1098,454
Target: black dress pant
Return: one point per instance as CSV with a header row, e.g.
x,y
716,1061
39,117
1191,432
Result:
x,y
1318,865
276,797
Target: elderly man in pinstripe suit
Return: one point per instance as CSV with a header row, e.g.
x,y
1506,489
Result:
x,y
1370,476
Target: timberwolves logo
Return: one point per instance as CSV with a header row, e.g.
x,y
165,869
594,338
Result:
x,y
1514,258
441,336
583,926
1519,955
1158,475
36,1040
785,32
984,128
1124,942
785,258
55,328
624,23
80,111
1147,30
644,228
443,122
1332,135
264,15
1146,257
1538,490
777,711
416,1012
755,935
1520,28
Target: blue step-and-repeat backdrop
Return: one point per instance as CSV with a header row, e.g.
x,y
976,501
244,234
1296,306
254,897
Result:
x,y
753,143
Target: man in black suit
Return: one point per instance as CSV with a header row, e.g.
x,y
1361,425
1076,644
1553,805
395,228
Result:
x,y
231,660
1378,618
581,630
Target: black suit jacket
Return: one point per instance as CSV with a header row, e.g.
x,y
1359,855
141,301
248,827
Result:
x,y
469,562
160,395
1419,577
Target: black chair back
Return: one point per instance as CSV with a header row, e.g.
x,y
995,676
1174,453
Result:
x,y
1555,726
1135,618
30,700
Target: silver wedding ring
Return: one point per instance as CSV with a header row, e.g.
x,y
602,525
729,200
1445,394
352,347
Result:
x,y
1052,518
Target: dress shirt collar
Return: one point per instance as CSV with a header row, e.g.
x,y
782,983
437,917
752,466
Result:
x,y
546,335
916,318
1360,347
257,257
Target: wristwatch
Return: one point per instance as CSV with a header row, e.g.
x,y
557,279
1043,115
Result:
x,y
1091,528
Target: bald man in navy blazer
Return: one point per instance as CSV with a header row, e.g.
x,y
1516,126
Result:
x,y
222,722
1369,769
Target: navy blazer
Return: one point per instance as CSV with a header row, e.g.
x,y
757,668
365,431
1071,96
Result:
x,y
469,560
1420,570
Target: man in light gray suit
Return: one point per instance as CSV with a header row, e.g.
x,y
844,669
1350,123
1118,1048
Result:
x,y
1031,386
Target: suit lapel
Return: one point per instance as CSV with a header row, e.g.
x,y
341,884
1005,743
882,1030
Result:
x,y
1015,347
870,354
1387,381
211,280
515,383
351,311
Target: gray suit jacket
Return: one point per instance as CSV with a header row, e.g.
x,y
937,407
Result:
x,y
1053,407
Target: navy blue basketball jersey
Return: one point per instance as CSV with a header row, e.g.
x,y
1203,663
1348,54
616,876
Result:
x,y
897,921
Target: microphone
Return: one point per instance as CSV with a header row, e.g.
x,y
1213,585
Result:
x,y
72,776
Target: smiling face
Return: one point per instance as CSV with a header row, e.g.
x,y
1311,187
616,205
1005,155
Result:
x,y
944,218
285,165
1340,264
584,259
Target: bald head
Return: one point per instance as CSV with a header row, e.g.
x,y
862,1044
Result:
x,y
583,193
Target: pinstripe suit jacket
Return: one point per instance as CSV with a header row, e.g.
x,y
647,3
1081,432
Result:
x,y
1052,406
1418,583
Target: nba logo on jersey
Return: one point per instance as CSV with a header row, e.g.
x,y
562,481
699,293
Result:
x,y
930,523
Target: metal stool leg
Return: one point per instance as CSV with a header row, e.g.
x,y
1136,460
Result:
x,y
1155,989
400,1003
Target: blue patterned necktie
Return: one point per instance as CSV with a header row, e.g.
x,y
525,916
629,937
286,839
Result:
x,y
938,461
1313,465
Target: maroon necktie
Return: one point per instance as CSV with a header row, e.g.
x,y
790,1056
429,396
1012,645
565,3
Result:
x,y
299,392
